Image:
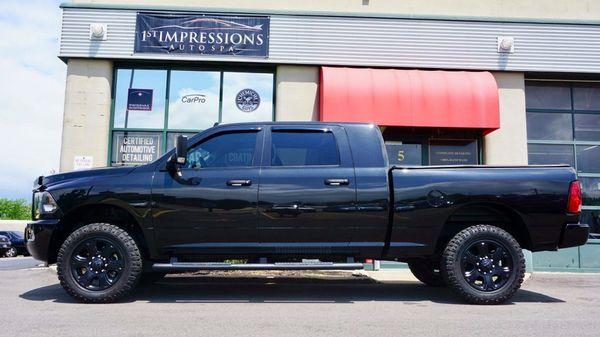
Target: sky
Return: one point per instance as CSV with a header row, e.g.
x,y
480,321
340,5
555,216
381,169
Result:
x,y
32,86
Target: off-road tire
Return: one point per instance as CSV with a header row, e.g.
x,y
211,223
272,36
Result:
x,y
131,272
11,252
451,266
426,271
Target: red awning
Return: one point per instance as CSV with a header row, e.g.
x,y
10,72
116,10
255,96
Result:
x,y
415,98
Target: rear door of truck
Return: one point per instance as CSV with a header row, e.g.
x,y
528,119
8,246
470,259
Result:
x,y
307,190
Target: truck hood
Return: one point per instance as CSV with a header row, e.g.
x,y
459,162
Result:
x,y
83,174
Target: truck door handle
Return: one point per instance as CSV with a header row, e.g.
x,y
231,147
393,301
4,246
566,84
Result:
x,y
337,182
239,182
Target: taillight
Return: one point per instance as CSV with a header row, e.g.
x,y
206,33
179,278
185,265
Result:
x,y
575,200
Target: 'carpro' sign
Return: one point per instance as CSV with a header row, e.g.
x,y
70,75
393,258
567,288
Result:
x,y
202,34
137,149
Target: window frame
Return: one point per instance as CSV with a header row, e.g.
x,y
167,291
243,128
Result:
x,y
573,142
165,130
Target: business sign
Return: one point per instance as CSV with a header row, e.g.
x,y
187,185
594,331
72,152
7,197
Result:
x,y
83,163
137,148
139,99
404,154
453,152
202,34
247,100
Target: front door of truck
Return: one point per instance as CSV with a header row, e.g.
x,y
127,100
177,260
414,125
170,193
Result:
x,y
211,208
307,190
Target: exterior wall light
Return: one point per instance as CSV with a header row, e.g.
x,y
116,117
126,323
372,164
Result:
x,y
506,44
98,31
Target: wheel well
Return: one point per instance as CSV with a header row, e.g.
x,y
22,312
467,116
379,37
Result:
x,y
484,214
96,214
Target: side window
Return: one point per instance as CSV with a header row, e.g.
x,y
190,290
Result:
x,y
290,148
225,150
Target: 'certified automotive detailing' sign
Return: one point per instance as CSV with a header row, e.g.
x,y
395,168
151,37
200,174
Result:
x,y
202,34
137,148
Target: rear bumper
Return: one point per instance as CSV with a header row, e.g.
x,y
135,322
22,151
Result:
x,y
38,235
574,235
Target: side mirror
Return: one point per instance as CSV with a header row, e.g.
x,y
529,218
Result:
x,y
181,150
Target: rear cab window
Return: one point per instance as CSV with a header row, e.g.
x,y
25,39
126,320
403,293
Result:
x,y
303,148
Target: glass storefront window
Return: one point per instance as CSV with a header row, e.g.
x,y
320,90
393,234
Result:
x,y
549,126
193,99
148,81
544,154
591,190
548,95
587,127
588,158
172,136
567,137
144,127
586,97
247,97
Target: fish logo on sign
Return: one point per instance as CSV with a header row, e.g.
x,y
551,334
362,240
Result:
x,y
247,100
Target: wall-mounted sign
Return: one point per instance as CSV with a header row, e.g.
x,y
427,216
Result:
x,y
247,100
83,162
453,152
404,154
202,34
139,99
137,148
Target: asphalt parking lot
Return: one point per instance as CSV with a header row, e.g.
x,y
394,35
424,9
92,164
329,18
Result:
x,y
298,305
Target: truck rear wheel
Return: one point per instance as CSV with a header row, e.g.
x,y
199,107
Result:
x,y
483,264
427,272
99,263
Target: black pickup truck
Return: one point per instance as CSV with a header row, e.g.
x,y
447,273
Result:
x,y
299,196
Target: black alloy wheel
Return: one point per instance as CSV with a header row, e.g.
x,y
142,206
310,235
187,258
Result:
x,y
483,264
97,263
486,265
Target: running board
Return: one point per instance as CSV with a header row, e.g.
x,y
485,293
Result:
x,y
191,266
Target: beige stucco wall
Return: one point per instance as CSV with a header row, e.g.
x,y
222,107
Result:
x,y
297,93
87,112
508,145
539,9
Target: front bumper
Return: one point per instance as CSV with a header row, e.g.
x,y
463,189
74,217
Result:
x,y
38,235
574,235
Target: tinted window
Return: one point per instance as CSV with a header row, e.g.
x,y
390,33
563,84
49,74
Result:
x,y
587,127
549,126
588,158
404,154
547,95
586,97
542,154
226,150
303,148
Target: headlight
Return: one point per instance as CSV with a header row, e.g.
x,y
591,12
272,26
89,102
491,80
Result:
x,y
43,205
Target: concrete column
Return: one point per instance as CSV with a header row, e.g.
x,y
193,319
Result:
x,y
297,93
87,112
508,145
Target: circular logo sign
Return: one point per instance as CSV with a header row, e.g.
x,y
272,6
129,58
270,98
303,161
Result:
x,y
247,100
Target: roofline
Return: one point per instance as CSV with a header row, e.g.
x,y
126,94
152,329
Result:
x,y
325,13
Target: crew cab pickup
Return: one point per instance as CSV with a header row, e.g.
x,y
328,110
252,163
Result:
x,y
300,196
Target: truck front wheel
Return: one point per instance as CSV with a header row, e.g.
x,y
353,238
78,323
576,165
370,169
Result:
x,y
483,264
99,263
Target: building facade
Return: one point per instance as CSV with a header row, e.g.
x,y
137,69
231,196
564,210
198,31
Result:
x,y
488,82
